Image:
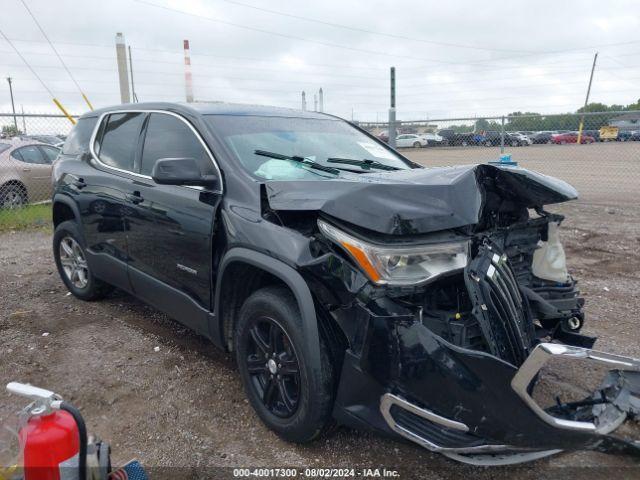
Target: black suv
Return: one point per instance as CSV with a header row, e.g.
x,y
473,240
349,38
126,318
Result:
x,y
353,286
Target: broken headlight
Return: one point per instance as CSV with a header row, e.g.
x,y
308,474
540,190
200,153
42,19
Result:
x,y
400,265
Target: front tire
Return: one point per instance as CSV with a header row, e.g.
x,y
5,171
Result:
x,y
417,145
69,254
292,393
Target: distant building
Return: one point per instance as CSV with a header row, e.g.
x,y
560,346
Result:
x,y
627,121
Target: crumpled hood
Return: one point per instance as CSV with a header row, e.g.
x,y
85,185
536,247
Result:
x,y
418,200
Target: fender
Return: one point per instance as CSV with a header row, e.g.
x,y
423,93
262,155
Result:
x,y
290,277
68,201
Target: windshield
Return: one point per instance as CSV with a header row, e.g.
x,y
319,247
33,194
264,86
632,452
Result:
x,y
325,142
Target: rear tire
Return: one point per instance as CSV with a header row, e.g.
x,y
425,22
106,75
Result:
x,y
296,406
69,254
13,196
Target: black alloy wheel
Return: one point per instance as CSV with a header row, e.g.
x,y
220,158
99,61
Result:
x,y
273,367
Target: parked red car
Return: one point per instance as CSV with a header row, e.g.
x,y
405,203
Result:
x,y
563,138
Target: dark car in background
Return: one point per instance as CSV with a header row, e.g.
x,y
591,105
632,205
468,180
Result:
x,y
542,137
352,285
451,137
493,138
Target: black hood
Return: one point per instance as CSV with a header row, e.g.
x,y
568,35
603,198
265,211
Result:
x,y
419,200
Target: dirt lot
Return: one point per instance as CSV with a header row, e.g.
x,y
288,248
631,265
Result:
x,y
184,406
602,172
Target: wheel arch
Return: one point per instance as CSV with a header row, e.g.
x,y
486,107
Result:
x,y
64,209
256,270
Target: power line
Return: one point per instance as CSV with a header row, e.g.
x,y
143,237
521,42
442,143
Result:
x,y
292,37
35,20
26,63
372,32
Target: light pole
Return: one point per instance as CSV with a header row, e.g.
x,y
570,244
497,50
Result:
x,y
13,107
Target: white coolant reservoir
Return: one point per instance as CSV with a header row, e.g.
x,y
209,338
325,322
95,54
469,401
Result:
x,y
549,261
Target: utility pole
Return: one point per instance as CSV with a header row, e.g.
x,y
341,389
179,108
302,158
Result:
x,y
13,107
188,78
304,101
133,87
315,102
586,100
321,99
392,110
123,73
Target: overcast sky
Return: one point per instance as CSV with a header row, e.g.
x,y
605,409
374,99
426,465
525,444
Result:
x,y
453,58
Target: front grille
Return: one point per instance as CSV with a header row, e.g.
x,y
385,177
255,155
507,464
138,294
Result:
x,y
436,434
499,306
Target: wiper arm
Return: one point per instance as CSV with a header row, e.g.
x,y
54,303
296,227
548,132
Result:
x,y
296,158
366,164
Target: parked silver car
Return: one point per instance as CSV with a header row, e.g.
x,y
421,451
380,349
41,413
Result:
x,y
25,172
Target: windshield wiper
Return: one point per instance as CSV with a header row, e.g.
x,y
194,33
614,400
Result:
x,y
296,158
366,164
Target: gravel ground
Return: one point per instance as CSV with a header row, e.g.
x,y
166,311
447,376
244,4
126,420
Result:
x,y
183,406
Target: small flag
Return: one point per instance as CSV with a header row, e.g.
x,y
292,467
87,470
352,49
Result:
x,y
131,471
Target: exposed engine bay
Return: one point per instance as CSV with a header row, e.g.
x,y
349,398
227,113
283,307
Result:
x,y
514,292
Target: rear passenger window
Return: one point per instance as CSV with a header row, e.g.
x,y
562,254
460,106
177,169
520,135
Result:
x,y
30,154
78,140
119,140
170,137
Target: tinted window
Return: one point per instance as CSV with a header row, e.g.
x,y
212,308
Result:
x,y
169,137
50,153
78,140
120,139
30,154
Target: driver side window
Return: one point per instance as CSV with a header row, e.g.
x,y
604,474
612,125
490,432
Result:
x,y
169,137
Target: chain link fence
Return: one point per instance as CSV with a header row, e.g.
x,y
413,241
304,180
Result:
x,y
28,145
604,166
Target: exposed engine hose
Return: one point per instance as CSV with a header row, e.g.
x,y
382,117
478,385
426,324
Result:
x,y
82,433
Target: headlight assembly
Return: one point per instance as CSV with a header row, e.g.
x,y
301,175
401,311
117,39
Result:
x,y
400,265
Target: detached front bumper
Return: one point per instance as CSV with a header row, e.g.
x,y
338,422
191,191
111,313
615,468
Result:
x,y
472,406
456,440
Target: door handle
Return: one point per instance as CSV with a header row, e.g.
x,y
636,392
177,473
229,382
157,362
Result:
x,y
26,169
134,197
79,183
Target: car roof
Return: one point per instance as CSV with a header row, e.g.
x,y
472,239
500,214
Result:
x,y
15,143
214,108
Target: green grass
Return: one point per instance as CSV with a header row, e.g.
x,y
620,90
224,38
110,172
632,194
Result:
x,y
25,217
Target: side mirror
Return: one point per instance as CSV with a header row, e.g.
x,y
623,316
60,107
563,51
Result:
x,y
181,171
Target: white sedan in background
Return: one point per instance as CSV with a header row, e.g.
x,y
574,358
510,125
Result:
x,y
411,140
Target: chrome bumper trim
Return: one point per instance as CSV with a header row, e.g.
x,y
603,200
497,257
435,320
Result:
x,y
388,400
541,355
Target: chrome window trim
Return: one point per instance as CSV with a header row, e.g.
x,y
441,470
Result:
x,y
101,118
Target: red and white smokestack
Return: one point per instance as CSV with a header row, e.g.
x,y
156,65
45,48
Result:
x,y
188,79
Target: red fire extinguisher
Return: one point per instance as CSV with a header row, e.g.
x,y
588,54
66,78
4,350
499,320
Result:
x,y
53,436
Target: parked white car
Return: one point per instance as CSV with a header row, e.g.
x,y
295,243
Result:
x,y
432,138
524,138
410,140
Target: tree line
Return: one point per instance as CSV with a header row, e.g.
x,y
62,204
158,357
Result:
x,y
533,121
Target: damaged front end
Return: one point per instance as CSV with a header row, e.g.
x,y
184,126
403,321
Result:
x,y
445,345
